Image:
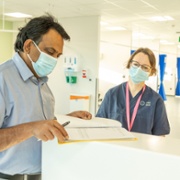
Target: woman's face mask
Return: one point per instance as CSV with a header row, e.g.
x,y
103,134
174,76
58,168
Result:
x,y
45,63
137,75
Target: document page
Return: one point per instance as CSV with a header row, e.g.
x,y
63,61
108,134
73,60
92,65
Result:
x,y
96,129
94,122
90,134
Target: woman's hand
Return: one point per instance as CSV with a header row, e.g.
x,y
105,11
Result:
x,y
81,114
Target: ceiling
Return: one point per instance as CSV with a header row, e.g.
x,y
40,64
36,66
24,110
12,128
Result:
x,y
131,14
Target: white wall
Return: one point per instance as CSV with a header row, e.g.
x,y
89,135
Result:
x,y
84,33
114,53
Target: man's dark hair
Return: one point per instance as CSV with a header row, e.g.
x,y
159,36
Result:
x,y
36,28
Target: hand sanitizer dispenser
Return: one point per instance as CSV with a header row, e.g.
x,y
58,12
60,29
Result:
x,y
71,69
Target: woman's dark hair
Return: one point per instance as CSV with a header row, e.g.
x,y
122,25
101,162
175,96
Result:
x,y
151,56
36,28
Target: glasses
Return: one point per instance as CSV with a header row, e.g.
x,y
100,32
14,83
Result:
x,y
144,67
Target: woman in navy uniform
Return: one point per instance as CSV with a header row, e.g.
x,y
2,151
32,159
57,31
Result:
x,y
138,107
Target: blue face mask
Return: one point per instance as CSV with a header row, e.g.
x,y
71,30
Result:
x,y
45,63
137,75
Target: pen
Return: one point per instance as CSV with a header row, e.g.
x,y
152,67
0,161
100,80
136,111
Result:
x,y
66,123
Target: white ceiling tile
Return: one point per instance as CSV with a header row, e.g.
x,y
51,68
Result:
x,y
131,14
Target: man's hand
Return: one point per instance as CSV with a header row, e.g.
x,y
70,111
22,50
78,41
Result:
x,y
81,114
43,130
48,129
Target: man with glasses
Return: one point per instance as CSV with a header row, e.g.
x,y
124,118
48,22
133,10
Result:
x,y
26,102
138,107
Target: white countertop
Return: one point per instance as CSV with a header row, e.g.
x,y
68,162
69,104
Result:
x,y
147,158
159,144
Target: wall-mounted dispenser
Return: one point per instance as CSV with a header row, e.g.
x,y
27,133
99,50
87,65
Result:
x,y
71,69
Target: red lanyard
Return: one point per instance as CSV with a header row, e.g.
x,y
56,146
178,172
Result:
x,y
130,123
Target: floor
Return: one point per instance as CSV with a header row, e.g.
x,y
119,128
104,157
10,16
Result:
x,y
173,112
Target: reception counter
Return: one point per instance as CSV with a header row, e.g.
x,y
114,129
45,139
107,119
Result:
x,y
146,158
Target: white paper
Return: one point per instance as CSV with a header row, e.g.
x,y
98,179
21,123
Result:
x,y
83,134
94,129
94,122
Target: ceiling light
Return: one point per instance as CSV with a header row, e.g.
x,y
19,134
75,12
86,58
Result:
x,y
137,35
163,41
103,23
117,28
166,42
17,15
161,18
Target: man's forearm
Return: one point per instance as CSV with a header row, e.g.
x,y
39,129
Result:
x,y
14,135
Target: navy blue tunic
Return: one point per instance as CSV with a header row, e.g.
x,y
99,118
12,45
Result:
x,y
151,117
